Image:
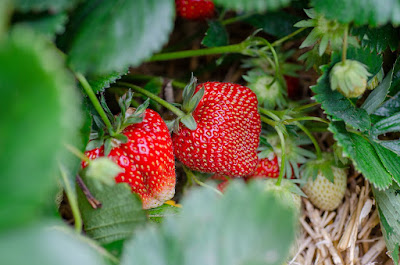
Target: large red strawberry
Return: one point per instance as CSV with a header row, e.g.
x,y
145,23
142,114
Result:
x,y
194,9
227,133
146,158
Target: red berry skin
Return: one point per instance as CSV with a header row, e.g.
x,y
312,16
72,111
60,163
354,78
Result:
x,y
147,160
292,84
266,168
195,9
227,134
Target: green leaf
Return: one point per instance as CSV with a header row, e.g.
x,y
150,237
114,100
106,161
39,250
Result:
x,y
49,25
278,24
253,5
363,155
248,225
101,82
120,214
388,202
372,12
48,245
378,39
124,33
157,215
216,35
378,95
39,114
189,122
390,160
389,124
390,106
43,5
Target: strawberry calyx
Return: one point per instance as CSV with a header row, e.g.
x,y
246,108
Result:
x,y
114,137
190,101
324,165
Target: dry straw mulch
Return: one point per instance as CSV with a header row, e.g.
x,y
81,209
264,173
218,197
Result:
x,y
349,235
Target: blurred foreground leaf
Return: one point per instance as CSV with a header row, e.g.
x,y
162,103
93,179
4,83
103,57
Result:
x,y
246,226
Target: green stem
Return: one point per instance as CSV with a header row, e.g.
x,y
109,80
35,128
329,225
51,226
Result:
x,y
283,39
236,19
300,108
344,51
73,202
312,138
269,113
268,121
307,118
282,169
92,96
235,48
77,153
190,174
156,98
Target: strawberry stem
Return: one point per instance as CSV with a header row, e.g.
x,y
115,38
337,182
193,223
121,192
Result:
x,y
307,118
90,198
312,138
191,176
73,202
282,169
156,98
234,48
77,153
92,96
268,121
344,51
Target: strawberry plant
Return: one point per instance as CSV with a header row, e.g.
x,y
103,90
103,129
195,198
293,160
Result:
x,y
187,131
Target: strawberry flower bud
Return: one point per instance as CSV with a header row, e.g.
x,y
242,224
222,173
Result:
x,y
349,78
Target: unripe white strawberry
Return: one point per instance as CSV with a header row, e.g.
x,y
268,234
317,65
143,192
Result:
x,y
324,194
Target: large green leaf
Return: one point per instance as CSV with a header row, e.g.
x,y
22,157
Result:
x,y
390,160
388,202
40,112
363,154
378,39
42,5
253,5
378,95
247,225
389,124
390,106
112,35
100,83
121,212
46,245
49,25
372,12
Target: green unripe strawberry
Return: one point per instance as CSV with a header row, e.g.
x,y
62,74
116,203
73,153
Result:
x,y
323,193
349,78
287,192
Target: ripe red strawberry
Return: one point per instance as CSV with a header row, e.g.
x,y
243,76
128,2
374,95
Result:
x,y
146,158
267,167
194,9
227,133
292,84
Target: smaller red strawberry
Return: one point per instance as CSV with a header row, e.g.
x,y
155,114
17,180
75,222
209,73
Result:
x,y
292,84
195,9
267,167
